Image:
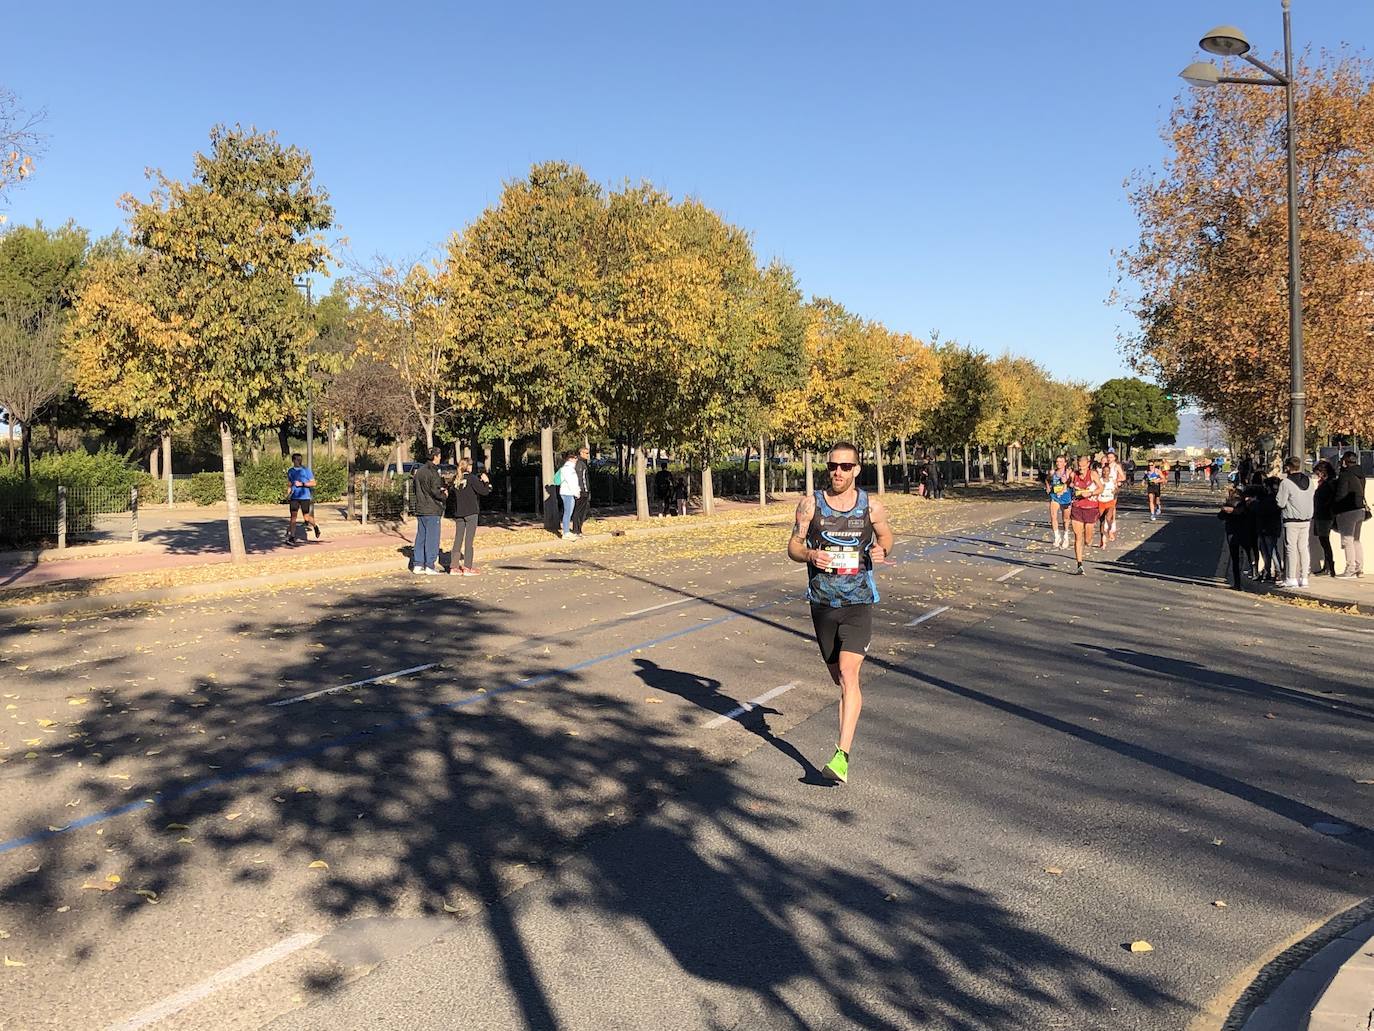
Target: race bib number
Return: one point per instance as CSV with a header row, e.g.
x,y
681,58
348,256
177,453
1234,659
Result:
x,y
843,560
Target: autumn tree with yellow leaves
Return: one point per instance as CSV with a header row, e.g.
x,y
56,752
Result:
x,y
204,321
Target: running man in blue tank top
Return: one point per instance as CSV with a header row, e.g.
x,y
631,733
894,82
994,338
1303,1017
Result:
x,y
840,533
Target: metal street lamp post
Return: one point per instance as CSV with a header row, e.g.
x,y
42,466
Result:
x,y
1229,41
310,403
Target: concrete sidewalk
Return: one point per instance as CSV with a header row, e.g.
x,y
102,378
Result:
x,y
196,539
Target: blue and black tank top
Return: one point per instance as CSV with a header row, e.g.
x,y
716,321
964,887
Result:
x,y
848,538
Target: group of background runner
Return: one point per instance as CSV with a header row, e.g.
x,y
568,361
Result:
x,y
1086,496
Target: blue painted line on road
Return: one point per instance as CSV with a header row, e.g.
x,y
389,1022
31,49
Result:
x,y
286,758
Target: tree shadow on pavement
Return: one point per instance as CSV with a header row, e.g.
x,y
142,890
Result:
x,y
822,939
1195,673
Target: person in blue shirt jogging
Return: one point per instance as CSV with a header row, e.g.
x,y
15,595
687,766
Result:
x,y
301,499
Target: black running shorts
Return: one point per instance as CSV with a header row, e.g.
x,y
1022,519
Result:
x,y
842,628
301,505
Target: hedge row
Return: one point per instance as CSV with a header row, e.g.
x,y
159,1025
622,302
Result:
x,y
261,484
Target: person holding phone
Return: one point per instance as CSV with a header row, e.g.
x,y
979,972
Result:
x,y
840,532
470,486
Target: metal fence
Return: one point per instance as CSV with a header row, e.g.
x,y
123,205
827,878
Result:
x,y
44,515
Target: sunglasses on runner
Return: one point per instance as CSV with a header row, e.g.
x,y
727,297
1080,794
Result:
x,y
842,466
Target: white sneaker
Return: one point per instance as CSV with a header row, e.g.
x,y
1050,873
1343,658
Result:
x,y
1286,583
431,571
417,571
1303,582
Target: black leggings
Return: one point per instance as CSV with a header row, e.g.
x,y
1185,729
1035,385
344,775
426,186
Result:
x,y
465,532
1233,542
1322,528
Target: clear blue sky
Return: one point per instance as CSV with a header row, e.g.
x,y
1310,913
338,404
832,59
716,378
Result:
x,y
956,166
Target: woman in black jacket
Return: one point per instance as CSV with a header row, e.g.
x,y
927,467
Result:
x,y
1234,516
1348,508
468,491
1323,519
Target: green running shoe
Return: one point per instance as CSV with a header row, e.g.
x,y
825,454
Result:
x,y
837,768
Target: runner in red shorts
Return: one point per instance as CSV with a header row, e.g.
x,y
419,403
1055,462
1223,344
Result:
x,y
1111,474
1087,485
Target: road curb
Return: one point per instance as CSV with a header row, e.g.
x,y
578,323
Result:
x,y
1348,1000
121,601
1285,994
1363,608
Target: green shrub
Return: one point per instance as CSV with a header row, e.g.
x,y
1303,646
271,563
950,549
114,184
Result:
x,y
264,483
207,488
76,469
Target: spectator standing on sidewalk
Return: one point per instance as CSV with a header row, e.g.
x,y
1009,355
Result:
x,y
469,488
663,488
935,484
584,484
429,512
1323,520
1348,505
569,490
1234,516
1296,498
1268,526
681,495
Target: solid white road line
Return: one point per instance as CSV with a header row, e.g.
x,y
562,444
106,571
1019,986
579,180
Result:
x,y
929,615
356,683
665,605
748,706
1008,575
236,972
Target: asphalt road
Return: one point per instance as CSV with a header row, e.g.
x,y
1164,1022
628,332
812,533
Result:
x,y
555,827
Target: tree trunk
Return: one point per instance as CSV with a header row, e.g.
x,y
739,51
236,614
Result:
x,y
746,464
996,462
949,464
906,469
26,446
810,464
152,462
878,457
763,472
349,456
9,438
546,467
167,462
966,477
979,466
331,439
641,484
708,489
505,443
237,552
429,423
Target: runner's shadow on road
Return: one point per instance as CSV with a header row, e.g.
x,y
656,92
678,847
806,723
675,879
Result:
x,y
705,692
